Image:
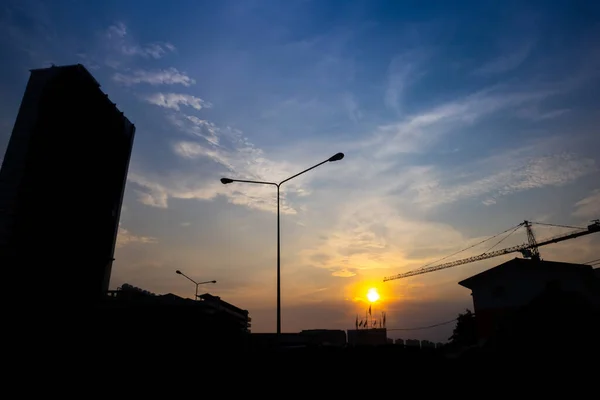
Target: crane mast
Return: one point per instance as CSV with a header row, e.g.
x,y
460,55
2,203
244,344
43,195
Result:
x,y
534,253
528,250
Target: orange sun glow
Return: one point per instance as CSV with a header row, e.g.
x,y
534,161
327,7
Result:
x,y
372,295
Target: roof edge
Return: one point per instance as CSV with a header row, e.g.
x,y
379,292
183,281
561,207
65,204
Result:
x,y
468,281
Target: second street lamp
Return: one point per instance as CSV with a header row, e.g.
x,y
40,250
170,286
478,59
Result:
x,y
178,272
226,181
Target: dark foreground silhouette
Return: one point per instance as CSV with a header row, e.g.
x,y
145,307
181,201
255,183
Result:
x,y
556,326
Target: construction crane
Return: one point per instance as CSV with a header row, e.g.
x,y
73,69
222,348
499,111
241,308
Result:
x,y
528,250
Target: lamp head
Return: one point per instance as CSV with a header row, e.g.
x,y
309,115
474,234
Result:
x,y
225,181
178,272
336,157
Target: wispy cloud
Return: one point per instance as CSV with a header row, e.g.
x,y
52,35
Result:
x,y
115,47
175,100
417,132
343,273
155,190
222,151
196,127
588,207
401,74
118,35
533,113
29,26
352,107
230,153
377,226
193,150
154,50
125,237
369,234
235,158
427,185
117,31
509,61
169,76
494,181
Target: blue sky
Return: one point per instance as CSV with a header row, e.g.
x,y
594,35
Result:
x,y
458,121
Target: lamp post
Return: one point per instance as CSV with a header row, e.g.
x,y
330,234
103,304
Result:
x,y
195,283
226,181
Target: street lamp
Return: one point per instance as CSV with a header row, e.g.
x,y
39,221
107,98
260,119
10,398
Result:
x,y
226,181
195,283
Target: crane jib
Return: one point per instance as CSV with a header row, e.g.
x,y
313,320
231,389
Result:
x,y
528,250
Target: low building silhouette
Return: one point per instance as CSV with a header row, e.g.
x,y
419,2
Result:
x,y
367,337
324,337
234,312
501,292
270,341
309,338
130,315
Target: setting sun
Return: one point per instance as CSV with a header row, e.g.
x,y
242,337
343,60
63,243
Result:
x,y
372,295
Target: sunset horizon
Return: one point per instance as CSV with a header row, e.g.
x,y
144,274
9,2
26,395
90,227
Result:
x,y
435,130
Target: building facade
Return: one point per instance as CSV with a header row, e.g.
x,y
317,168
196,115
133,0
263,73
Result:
x,y
62,184
500,291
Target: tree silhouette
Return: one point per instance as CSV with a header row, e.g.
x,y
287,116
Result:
x,y
464,333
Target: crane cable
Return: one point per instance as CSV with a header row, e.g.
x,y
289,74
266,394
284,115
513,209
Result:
x,y
559,226
503,239
514,228
476,244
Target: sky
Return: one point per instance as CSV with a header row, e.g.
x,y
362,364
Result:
x,y
458,120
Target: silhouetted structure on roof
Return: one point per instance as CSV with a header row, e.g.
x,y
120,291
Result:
x,y
506,290
62,184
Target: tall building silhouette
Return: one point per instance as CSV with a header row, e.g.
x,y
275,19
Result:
x,y
61,186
